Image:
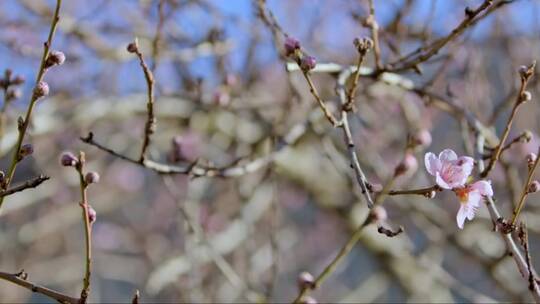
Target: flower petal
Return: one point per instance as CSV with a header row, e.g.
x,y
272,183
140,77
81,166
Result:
x,y
433,165
467,164
447,155
483,187
461,215
441,182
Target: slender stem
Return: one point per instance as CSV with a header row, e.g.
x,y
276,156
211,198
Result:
x,y
420,191
41,72
150,124
87,228
33,183
519,101
343,252
375,35
352,91
20,279
525,191
322,105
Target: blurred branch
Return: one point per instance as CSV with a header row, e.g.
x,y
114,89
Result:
x,y
21,279
33,183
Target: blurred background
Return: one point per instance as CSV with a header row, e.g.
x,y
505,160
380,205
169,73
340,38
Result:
x,y
223,94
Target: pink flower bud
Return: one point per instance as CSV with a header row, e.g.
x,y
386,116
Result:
x,y
423,138
308,300
534,186
291,45
68,159
92,215
91,178
531,158
379,213
408,165
523,70
55,58
26,150
375,188
308,63
305,280
41,90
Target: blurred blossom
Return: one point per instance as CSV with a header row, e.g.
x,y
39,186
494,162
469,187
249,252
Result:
x,y
186,147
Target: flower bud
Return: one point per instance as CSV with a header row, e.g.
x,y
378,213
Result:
x,y
430,194
534,186
55,58
363,45
92,215
41,90
91,178
375,187
68,159
291,45
18,80
524,71
306,280
133,47
26,150
408,165
308,63
423,138
527,136
526,96
13,94
308,300
531,158
379,213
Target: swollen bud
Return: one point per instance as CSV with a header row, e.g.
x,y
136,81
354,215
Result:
x,y
68,159
306,280
291,45
91,178
379,213
531,159
133,47
422,138
408,165
525,96
26,150
41,90
534,186
55,58
92,215
308,63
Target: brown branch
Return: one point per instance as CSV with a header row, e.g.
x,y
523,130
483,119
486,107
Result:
x,y
150,125
422,191
526,75
32,183
21,279
472,16
525,191
159,32
87,227
34,97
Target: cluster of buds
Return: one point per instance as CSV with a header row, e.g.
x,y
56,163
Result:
x,y
9,84
293,49
363,45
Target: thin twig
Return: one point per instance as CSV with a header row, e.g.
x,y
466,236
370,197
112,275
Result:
x,y
87,227
525,191
150,125
374,26
21,280
26,122
32,183
525,77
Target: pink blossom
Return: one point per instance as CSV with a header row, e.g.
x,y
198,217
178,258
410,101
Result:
x,y
470,197
450,171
